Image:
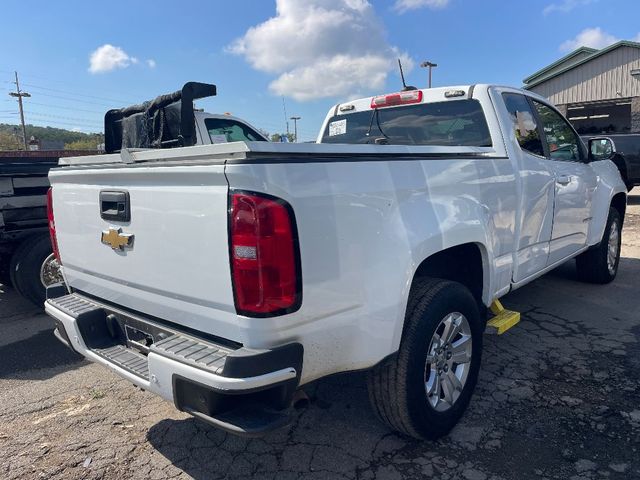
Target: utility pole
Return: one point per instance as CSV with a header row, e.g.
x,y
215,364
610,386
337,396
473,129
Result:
x,y
295,128
21,94
429,65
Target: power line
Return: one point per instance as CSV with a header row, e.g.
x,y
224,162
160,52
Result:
x,y
86,120
40,77
66,108
66,83
37,122
38,87
48,123
75,100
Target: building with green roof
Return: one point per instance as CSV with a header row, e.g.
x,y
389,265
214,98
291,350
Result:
x,y
598,90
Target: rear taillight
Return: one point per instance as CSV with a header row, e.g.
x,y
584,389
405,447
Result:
x,y
265,258
52,225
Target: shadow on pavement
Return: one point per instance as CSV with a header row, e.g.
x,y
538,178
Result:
x,y
28,348
567,271
31,358
338,430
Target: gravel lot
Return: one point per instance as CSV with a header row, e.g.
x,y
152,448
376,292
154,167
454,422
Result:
x,y
558,397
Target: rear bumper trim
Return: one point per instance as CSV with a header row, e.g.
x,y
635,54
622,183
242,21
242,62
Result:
x,y
246,392
157,361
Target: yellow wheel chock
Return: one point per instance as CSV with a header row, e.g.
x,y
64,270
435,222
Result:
x,y
503,320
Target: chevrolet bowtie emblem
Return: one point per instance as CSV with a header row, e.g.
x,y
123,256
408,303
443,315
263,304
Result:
x,y
116,239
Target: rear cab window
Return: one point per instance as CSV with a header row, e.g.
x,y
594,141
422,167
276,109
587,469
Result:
x,y
223,130
525,124
448,123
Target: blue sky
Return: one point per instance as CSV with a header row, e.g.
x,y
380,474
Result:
x,y
314,52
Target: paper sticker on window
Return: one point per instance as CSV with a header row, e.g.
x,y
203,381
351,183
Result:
x,y
218,138
338,128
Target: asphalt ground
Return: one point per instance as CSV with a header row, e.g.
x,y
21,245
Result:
x,y
558,398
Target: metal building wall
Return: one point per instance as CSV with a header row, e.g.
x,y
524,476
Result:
x,y
573,60
604,78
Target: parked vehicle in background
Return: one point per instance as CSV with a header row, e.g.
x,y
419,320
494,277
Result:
x,y
172,121
624,150
225,277
26,259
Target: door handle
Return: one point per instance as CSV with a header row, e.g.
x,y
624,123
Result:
x,y
564,179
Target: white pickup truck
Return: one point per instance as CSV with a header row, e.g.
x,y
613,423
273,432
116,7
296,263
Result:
x,y
226,277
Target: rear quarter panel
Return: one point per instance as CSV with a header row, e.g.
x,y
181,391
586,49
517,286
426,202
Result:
x,y
364,229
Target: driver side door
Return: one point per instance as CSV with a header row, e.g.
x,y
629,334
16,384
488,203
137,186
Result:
x,y
575,184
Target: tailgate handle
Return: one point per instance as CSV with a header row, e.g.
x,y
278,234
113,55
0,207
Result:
x,y
115,206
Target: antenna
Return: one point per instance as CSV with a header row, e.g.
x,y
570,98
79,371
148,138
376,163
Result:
x,y
405,87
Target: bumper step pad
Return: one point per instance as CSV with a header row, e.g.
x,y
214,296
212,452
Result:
x,y
174,345
73,305
192,352
126,358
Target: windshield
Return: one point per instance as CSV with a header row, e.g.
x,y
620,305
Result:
x,y
452,123
222,130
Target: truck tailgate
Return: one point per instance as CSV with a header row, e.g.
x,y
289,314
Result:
x,y
177,265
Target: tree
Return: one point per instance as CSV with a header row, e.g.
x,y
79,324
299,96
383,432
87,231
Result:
x,y
9,141
277,137
84,144
47,133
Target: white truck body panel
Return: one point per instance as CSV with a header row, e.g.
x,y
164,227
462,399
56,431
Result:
x,y
367,217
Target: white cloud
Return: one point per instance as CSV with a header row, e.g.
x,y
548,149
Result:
x,y
107,57
151,63
566,6
589,37
320,48
636,38
405,5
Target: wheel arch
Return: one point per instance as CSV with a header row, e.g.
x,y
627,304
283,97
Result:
x,y
619,203
466,263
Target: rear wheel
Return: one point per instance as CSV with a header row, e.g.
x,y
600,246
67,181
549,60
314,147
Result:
x,y
425,389
33,268
600,263
5,278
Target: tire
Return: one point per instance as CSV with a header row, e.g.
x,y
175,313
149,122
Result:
x,y
26,264
5,277
398,387
595,265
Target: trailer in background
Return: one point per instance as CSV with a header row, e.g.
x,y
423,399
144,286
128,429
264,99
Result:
x,y
26,258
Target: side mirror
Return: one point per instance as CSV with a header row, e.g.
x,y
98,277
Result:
x,y
601,148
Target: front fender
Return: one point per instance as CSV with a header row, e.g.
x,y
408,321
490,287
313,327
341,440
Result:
x,y
610,184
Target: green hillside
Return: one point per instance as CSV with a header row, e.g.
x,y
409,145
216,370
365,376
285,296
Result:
x,y
11,135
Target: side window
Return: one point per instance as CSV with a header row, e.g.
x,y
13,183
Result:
x,y
564,144
524,123
227,130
